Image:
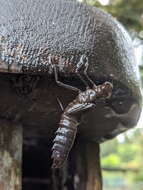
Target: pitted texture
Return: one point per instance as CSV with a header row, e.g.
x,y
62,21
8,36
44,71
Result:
x,y
30,31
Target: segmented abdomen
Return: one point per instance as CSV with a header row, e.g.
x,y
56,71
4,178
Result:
x,y
64,139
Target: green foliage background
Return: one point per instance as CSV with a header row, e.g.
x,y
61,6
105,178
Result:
x,y
128,12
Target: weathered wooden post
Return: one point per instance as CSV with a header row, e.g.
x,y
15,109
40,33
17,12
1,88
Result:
x,y
94,177
10,155
87,164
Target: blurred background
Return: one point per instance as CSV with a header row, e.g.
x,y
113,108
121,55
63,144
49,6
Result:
x,y
122,157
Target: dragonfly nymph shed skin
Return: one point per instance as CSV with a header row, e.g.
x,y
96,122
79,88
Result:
x,y
66,133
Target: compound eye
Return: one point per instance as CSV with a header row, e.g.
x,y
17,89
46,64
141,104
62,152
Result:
x,y
108,87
